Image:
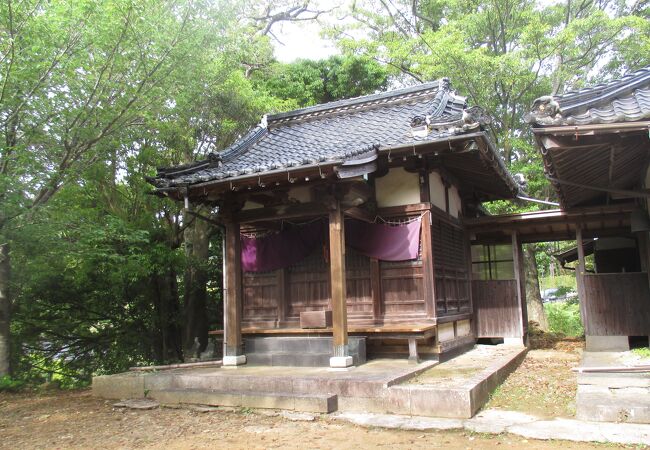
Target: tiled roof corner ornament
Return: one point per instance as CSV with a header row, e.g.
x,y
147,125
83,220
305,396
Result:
x,y
214,159
545,110
264,123
469,119
444,84
420,126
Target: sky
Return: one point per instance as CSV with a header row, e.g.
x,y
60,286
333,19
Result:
x,y
301,41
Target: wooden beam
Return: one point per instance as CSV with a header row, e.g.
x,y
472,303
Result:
x,y
337,282
360,214
233,286
289,211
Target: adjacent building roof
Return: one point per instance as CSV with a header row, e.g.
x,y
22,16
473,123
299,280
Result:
x,y
624,100
336,132
594,141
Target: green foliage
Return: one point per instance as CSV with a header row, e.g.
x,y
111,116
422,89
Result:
x,y
308,82
643,352
564,318
8,384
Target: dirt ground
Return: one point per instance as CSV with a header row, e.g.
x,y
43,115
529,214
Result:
x,y
68,420
543,384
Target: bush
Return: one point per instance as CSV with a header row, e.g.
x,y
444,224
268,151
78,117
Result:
x,y
564,318
8,384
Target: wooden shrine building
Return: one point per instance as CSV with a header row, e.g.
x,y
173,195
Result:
x,y
345,230
595,144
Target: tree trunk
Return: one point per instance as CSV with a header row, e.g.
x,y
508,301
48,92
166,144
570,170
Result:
x,y
168,338
534,304
5,310
197,244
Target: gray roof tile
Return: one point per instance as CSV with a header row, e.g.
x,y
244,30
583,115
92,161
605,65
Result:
x,y
331,132
624,100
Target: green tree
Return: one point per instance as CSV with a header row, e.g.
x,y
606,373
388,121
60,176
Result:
x,y
95,93
308,82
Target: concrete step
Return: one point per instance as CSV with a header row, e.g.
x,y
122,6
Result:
x,y
288,359
298,351
316,403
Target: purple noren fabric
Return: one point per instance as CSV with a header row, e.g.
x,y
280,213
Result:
x,y
280,250
385,242
284,249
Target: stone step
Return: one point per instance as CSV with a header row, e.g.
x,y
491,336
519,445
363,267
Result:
x,y
302,344
288,359
316,403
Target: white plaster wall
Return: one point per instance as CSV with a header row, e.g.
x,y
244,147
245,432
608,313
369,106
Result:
x,y
397,187
455,205
437,190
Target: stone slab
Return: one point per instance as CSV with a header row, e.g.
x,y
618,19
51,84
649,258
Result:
x,y
121,386
399,422
577,430
293,402
497,421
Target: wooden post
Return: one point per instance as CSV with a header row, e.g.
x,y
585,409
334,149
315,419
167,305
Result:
x,y
520,275
428,266
375,288
340,355
232,313
580,273
282,296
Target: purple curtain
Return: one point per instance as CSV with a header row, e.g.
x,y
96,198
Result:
x,y
280,250
284,249
385,242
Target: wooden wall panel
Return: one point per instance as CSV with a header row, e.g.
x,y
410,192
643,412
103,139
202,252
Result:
x,y
451,267
308,286
617,304
358,282
260,297
402,289
496,308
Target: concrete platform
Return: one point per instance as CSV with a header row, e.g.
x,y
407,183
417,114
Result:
x,y
612,397
457,388
382,386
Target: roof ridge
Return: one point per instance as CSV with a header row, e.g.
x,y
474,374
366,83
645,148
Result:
x,y
371,99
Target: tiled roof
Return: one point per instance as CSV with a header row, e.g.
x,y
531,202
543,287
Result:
x,y
332,133
624,100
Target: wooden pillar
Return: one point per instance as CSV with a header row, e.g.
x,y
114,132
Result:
x,y
518,262
428,266
340,355
580,273
375,288
232,313
281,280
